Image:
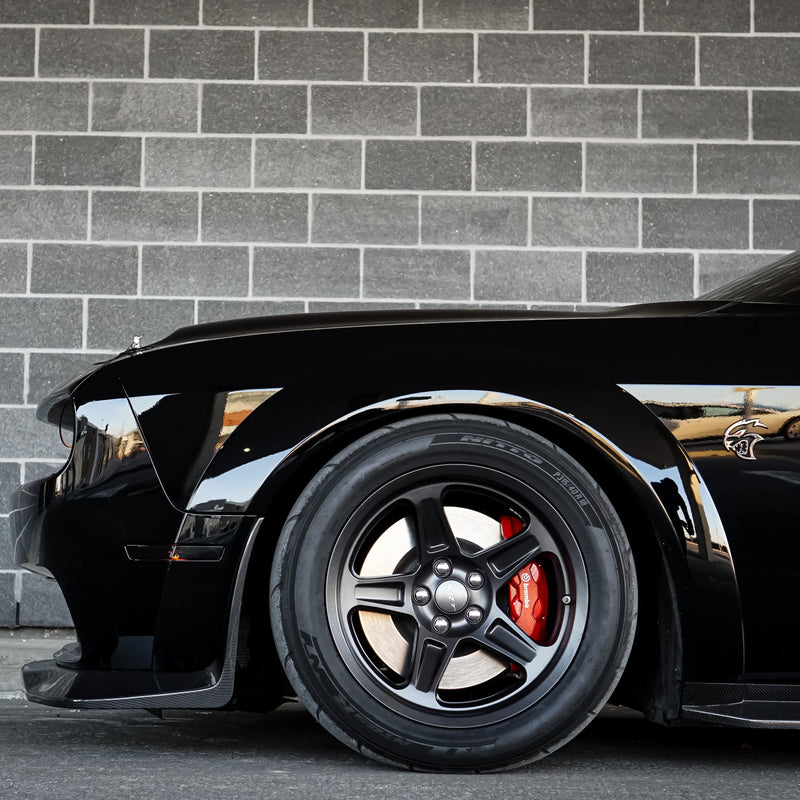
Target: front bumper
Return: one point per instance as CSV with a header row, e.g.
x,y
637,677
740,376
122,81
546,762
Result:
x,y
146,624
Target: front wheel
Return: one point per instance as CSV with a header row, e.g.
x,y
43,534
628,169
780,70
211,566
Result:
x,y
453,592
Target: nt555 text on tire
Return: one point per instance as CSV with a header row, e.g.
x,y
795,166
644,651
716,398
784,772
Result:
x,y
453,592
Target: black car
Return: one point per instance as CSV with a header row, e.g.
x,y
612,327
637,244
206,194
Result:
x,y
453,535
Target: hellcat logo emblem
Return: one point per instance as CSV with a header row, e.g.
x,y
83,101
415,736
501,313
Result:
x,y
740,440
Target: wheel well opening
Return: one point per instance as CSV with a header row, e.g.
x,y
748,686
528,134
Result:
x,y
650,682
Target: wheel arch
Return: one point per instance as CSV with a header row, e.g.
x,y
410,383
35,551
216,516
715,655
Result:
x,y
656,666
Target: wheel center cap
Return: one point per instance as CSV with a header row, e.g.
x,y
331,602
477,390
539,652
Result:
x,y
451,596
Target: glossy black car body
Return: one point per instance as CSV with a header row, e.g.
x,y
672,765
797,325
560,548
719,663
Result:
x,y
190,453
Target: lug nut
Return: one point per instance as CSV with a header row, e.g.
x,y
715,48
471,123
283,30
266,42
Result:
x,y
566,599
475,580
421,595
440,624
442,567
474,615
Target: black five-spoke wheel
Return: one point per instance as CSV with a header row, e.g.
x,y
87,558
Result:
x,y
453,592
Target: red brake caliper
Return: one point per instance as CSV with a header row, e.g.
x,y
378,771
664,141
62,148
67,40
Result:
x,y
527,591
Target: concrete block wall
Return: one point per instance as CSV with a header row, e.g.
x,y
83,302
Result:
x,y
164,162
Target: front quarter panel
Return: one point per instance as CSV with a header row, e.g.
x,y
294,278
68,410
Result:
x,y
257,467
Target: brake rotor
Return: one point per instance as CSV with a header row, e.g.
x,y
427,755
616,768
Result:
x,y
393,548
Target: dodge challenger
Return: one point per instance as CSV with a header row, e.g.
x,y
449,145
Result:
x,y
453,535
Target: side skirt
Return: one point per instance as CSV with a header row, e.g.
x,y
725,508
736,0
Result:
x,y
742,705
48,683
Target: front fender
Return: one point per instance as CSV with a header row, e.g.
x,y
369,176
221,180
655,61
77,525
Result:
x,y
272,454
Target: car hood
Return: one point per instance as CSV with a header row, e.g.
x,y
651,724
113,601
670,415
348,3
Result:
x,y
359,319
50,408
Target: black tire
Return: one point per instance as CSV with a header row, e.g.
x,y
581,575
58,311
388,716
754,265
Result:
x,y
361,647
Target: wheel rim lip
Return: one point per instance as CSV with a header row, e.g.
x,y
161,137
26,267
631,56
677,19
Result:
x,y
498,484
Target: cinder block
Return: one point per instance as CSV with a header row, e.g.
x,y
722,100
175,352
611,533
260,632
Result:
x,y
15,160
190,270
475,220
366,13
694,114
231,108
42,603
88,160
700,223
44,12
310,55
365,219
146,12
44,105
37,214
254,217
582,221
204,54
689,15
407,273
473,111
749,61
403,164
776,115
750,169
163,107
203,162
256,12
215,310
469,15
528,166
13,267
10,478
47,371
639,168
717,269
775,224
528,275
639,277
16,52
91,53
599,15
776,16
365,110
34,470
114,323
8,600
58,322
306,271
322,306
83,269
641,59
308,163
421,57
12,378
24,436
530,58
153,216
588,112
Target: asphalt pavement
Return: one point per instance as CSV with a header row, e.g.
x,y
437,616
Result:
x,y
100,755
202,755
